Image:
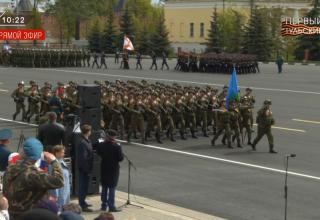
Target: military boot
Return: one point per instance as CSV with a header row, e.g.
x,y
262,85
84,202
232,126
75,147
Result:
x,y
229,145
193,135
253,147
158,138
14,117
172,138
183,137
271,151
213,142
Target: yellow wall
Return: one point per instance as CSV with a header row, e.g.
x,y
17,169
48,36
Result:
x,y
178,22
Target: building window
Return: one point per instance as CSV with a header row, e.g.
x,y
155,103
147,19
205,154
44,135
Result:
x,y
191,29
201,29
181,29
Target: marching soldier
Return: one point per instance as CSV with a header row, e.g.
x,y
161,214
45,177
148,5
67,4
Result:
x,y
139,61
117,117
154,60
164,60
103,61
18,96
137,111
95,60
178,115
251,101
33,100
168,110
116,56
265,120
235,121
223,124
246,113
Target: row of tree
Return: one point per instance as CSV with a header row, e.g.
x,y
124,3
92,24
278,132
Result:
x,y
260,35
107,35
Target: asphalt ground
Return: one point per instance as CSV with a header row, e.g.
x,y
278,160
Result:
x,y
229,183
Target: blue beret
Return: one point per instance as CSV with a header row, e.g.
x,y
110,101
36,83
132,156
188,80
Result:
x,y
33,148
5,134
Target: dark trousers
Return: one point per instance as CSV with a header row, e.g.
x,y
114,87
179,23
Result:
x,y
83,188
279,68
108,197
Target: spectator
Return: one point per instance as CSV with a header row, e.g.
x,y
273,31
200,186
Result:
x,y
5,136
105,216
4,205
38,214
52,133
68,215
24,185
84,164
62,194
72,207
111,154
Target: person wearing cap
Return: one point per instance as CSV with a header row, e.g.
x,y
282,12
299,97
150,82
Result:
x,y
250,101
18,96
265,120
24,185
111,155
5,136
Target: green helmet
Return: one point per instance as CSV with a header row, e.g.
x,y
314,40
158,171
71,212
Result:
x,y
267,102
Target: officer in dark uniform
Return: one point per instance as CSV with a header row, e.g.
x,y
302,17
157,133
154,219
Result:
x,y
103,61
164,60
279,63
116,56
139,58
154,60
95,60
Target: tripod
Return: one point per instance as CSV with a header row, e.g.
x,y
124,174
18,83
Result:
x,y
21,140
286,185
129,183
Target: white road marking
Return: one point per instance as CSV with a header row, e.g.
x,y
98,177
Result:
x,y
3,90
18,122
174,80
199,155
223,160
306,121
287,129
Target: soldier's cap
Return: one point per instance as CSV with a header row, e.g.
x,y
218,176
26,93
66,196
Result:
x,y
60,84
224,100
33,148
248,89
21,83
267,102
5,134
225,87
112,133
32,82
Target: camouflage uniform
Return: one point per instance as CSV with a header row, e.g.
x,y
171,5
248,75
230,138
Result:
x,y
24,185
265,120
18,96
246,112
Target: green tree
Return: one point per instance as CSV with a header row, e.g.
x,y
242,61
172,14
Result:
x,y
108,41
159,40
256,38
213,41
126,24
309,43
94,38
143,41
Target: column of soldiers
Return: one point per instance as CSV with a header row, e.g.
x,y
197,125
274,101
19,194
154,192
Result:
x,y
25,57
142,109
217,63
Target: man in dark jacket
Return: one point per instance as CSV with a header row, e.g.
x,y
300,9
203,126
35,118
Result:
x,y
111,154
52,133
84,164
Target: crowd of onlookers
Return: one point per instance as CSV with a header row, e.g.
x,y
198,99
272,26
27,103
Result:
x,y
35,183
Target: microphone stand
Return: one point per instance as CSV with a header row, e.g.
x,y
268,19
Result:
x,y
286,188
129,183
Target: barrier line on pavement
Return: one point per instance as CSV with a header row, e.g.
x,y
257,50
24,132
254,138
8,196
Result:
x,y
198,155
287,129
306,121
18,122
175,80
224,160
3,90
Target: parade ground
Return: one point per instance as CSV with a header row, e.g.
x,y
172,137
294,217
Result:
x,y
235,184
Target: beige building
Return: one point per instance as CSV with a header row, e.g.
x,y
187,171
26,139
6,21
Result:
x,y
188,21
